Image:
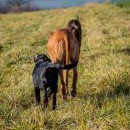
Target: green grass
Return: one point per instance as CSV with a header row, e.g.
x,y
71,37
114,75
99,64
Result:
x,y
103,98
123,3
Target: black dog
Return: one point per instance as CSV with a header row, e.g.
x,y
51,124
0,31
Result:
x,y
45,76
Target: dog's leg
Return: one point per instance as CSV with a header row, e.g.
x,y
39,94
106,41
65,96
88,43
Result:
x,y
63,85
54,101
45,97
37,95
74,89
54,90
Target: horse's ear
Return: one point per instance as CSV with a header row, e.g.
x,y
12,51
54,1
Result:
x,y
35,58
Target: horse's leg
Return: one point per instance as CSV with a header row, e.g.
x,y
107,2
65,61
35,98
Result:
x,y
63,84
74,89
66,73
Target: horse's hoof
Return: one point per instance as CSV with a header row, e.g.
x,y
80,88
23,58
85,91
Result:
x,y
65,97
54,107
73,93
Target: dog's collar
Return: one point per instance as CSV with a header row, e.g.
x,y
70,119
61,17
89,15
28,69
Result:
x,y
39,60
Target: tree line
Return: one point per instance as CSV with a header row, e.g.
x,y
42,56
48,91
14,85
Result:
x,y
7,6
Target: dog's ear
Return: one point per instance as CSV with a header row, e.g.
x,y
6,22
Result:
x,y
35,58
46,58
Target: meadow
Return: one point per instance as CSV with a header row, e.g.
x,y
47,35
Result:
x,y
103,98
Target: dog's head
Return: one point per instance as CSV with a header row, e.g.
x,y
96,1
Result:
x,y
41,57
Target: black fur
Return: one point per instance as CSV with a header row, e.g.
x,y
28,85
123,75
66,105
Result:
x,y
45,76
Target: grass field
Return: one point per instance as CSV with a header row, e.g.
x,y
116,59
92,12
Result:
x,y
103,98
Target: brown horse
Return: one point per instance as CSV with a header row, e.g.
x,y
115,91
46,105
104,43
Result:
x,y
64,47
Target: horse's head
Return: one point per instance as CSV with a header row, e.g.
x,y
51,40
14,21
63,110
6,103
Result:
x,y
75,26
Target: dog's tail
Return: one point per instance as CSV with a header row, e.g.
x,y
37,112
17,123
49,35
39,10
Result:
x,y
69,66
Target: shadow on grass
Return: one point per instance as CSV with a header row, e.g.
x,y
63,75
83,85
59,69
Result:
x,y
95,56
39,43
126,51
101,97
1,48
22,59
98,55
26,102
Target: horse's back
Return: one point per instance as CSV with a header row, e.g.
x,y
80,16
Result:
x,y
57,46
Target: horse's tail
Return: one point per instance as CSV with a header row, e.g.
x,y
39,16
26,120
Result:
x,y
67,59
66,49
